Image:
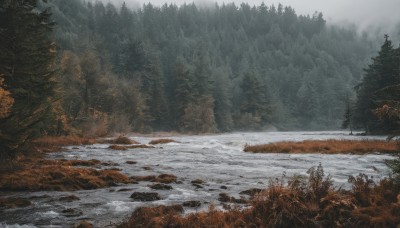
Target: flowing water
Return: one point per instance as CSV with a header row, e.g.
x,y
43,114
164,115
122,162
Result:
x,y
219,160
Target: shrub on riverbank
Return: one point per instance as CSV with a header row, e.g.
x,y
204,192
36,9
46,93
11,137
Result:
x,y
299,203
58,175
326,147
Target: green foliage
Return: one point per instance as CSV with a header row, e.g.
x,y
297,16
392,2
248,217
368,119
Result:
x,y
255,102
223,104
27,54
183,95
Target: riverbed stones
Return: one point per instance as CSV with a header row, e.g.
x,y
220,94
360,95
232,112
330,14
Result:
x,y
197,185
163,178
69,198
160,187
145,196
198,181
192,203
131,162
109,163
71,212
124,190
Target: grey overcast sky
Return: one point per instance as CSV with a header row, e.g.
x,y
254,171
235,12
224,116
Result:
x,y
385,13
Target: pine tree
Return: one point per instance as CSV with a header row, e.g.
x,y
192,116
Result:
x,y
383,72
183,92
255,102
202,72
27,54
223,105
153,88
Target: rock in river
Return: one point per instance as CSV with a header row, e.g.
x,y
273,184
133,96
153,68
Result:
x,y
145,196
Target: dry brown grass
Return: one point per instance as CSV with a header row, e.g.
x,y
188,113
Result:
x,y
64,140
119,140
161,141
92,162
170,216
298,203
58,175
326,147
54,143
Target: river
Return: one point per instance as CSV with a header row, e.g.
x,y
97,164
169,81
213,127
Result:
x,y
218,160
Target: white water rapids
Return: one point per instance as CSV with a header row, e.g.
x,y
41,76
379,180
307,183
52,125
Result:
x,y
219,160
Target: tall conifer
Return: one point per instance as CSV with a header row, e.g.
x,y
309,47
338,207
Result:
x,y
27,54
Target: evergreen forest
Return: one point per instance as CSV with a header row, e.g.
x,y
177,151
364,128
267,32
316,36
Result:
x,y
92,68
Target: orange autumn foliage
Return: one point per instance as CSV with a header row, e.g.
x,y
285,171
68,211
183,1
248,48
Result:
x,y
6,101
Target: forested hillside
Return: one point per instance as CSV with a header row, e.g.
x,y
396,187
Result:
x,y
195,69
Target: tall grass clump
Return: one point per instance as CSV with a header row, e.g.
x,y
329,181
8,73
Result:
x,y
299,202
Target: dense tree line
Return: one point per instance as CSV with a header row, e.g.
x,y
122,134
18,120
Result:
x,y
101,68
210,69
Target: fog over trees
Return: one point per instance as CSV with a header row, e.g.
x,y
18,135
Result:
x,y
246,67
187,68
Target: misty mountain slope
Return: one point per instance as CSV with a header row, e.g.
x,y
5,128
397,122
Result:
x,y
209,69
